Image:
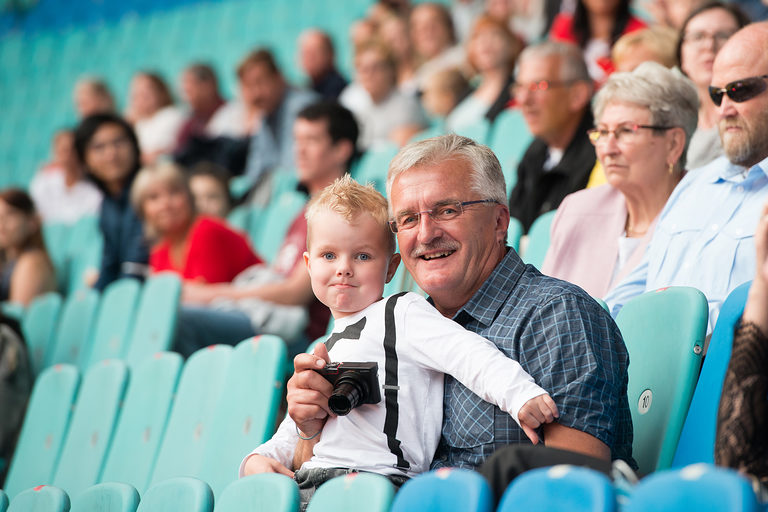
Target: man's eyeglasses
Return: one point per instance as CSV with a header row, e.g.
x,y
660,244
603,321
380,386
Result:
x,y
541,85
739,90
700,37
440,213
623,133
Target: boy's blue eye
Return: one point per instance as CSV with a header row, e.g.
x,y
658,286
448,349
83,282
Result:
x,y
364,257
327,256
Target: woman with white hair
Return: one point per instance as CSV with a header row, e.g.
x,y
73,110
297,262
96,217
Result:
x,y
644,121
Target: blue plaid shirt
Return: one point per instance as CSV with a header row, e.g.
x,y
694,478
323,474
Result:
x,y
565,340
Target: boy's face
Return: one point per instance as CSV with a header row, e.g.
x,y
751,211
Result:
x,y
348,262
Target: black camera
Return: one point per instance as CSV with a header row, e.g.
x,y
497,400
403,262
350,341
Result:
x,y
353,384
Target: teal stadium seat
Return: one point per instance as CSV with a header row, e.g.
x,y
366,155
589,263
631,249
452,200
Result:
x,y
154,326
247,411
239,217
114,320
664,332
72,344
3,501
267,492
84,249
13,310
514,233
557,488
278,217
39,327
478,131
538,240
43,498
698,487
45,426
56,236
182,493
347,493
189,425
373,166
107,497
509,139
697,439
93,423
143,419
445,490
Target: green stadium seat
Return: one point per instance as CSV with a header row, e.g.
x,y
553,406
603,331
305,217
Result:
x,y
142,421
3,501
39,328
275,222
478,131
346,493
45,427
114,320
509,139
189,425
84,249
43,498
182,493
13,310
72,344
155,322
538,240
245,415
107,497
93,423
373,166
514,233
56,236
268,492
664,332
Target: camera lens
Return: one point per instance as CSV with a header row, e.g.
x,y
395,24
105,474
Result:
x,y
349,392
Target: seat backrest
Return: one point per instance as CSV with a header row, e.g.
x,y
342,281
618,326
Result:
x,y
155,322
445,490
181,493
114,320
514,233
45,427
509,139
246,416
72,344
697,439
694,487
92,426
56,235
267,492
557,488
275,221
84,249
188,430
664,333
142,421
348,492
3,501
538,239
477,131
39,327
373,166
43,498
107,497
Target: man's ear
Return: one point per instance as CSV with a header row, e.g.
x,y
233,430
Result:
x,y
502,222
343,151
580,94
394,261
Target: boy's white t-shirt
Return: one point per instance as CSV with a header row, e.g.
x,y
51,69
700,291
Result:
x,y
427,345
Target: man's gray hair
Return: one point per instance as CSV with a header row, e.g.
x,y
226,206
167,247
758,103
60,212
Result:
x,y
486,178
572,65
668,94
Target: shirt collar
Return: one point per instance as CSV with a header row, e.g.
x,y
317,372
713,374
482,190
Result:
x,y
731,172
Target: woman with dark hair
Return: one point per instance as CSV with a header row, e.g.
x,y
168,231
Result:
x,y
27,270
154,116
109,149
702,35
594,27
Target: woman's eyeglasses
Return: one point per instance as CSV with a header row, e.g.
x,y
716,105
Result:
x,y
739,90
623,133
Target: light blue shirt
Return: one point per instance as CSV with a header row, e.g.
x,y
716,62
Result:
x,y
704,237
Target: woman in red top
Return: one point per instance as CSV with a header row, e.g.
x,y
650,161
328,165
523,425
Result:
x,y
197,247
594,27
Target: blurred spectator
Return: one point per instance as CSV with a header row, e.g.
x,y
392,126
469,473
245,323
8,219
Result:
x,y
317,58
383,113
267,299
702,35
362,31
210,188
463,14
155,118
705,235
197,247
434,40
92,96
491,52
200,88
656,44
27,270
16,380
595,27
109,148
60,190
394,33
442,92
526,18
600,234
553,90
672,13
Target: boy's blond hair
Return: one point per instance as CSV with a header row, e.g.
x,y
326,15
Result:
x,y
349,199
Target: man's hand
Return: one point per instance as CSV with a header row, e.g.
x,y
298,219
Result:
x,y
534,413
308,391
259,464
201,293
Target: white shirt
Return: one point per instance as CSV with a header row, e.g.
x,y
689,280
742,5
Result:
x,y
58,203
160,132
228,121
427,346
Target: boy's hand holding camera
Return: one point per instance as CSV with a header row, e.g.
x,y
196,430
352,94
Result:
x,y
308,391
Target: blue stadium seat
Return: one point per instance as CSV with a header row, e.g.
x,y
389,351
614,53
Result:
x,y
84,248
154,326
373,166
514,233
509,139
43,498
445,490
39,327
538,240
268,492
347,493
72,344
107,497
114,320
278,217
182,493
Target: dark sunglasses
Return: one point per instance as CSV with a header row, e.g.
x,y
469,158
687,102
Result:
x,y
739,90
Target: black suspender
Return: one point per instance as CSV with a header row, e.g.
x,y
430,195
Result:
x,y
390,383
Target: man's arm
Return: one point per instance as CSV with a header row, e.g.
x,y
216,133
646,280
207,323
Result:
x,y
632,286
567,438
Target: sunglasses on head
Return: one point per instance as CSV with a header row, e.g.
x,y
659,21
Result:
x,y
739,90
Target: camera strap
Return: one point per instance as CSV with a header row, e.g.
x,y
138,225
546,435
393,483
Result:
x,y
392,416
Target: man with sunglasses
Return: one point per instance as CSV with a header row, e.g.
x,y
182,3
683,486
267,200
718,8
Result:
x,y
704,237
552,89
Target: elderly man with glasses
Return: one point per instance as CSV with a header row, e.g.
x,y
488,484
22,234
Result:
x,y
705,234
